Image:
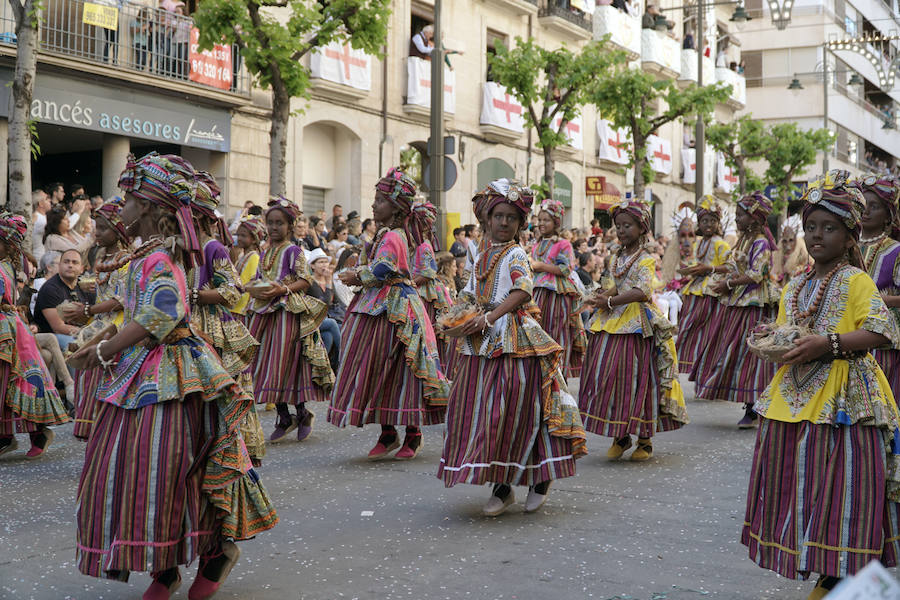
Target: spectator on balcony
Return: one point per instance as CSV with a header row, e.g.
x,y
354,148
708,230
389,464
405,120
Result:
x,y
721,59
688,43
165,28
141,31
648,21
741,66
422,45
180,39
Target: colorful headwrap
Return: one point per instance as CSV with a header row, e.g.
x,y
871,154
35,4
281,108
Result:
x,y
759,207
504,190
399,188
111,211
836,194
638,209
288,207
169,181
255,227
554,208
13,229
888,191
419,223
709,206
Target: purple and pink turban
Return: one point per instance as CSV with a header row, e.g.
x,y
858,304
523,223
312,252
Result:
x,y
637,209
504,191
111,212
554,208
839,196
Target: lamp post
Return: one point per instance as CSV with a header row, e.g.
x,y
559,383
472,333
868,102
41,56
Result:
x,y
436,152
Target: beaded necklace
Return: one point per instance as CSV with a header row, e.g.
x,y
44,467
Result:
x,y
873,240
872,253
145,249
703,249
484,268
620,273
271,255
812,308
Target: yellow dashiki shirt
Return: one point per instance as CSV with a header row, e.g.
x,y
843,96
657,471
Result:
x,y
752,258
713,252
246,267
646,320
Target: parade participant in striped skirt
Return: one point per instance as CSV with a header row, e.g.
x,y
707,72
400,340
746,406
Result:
x,y
112,266
726,369
700,303
881,257
553,261
166,477
291,366
629,383
510,420
214,288
825,479
390,372
250,234
435,295
29,402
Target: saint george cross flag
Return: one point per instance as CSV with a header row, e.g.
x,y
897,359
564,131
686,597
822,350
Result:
x,y
726,179
500,108
342,64
574,131
418,90
659,153
688,165
611,143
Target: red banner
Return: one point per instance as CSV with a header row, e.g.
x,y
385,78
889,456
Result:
x,y
210,67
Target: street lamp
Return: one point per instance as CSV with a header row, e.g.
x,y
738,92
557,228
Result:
x,y
795,84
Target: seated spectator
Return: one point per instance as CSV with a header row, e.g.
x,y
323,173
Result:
x,y
369,230
315,238
354,230
301,233
458,248
446,270
323,289
337,239
60,288
59,237
648,21
347,260
585,267
460,269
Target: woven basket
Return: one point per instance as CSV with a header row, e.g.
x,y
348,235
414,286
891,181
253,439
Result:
x,y
451,322
771,342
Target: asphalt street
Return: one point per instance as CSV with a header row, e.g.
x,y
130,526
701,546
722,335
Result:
x,y
667,529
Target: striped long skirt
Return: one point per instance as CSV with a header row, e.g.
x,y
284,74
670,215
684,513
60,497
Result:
x,y
447,346
140,505
727,370
495,432
890,364
86,384
816,501
568,330
282,371
620,392
694,328
27,413
374,383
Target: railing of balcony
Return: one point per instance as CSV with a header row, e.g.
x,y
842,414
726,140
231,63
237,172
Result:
x,y
565,10
137,38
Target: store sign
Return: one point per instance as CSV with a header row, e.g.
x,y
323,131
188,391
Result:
x,y
210,67
101,15
122,112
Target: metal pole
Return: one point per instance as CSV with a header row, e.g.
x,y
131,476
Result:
x,y
699,137
825,101
436,157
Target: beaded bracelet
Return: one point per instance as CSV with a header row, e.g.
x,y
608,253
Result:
x,y
195,295
609,302
87,310
106,364
834,341
728,285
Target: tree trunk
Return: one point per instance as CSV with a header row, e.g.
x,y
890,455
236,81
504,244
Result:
x,y
281,114
639,183
549,170
28,17
742,174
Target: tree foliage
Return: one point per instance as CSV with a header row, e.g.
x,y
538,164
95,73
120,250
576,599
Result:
x,y
551,84
639,102
741,141
273,37
790,152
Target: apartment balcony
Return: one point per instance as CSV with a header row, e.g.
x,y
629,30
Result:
x,y
502,117
418,88
660,54
559,16
689,68
519,7
133,43
738,98
339,70
623,29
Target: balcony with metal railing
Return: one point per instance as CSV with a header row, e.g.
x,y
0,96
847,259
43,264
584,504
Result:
x,y
562,17
130,41
521,7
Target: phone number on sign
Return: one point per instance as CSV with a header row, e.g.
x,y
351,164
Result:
x,y
210,70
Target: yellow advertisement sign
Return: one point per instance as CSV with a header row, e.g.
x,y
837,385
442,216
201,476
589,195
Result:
x,y
101,15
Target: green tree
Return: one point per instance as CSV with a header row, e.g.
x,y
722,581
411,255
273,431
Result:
x,y
273,37
791,151
741,141
548,84
637,101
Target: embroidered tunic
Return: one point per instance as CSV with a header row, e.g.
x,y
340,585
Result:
x,y
883,265
558,252
713,252
753,259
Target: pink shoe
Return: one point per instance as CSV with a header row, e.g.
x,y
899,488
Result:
x,y
386,444
204,588
160,591
408,451
37,451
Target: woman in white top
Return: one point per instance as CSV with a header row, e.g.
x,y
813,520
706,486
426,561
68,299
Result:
x,y
59,237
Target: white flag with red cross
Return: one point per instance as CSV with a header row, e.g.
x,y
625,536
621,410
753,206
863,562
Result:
x,y
500,108
342,64
418,90
689,165
574,131
659,153
612,143
726,178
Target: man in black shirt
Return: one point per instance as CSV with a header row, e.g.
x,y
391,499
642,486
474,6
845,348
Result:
x,y
585,264
60,288
459,242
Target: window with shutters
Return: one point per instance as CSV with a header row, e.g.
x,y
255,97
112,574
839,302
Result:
x,y
752,68
313,200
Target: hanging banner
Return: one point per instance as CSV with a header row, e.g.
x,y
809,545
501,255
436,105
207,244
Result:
x,y
342,64
658,48
612,143
210,67
500,108
101,15
688,165
659,153
726,179
418,84
623,29
574,131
